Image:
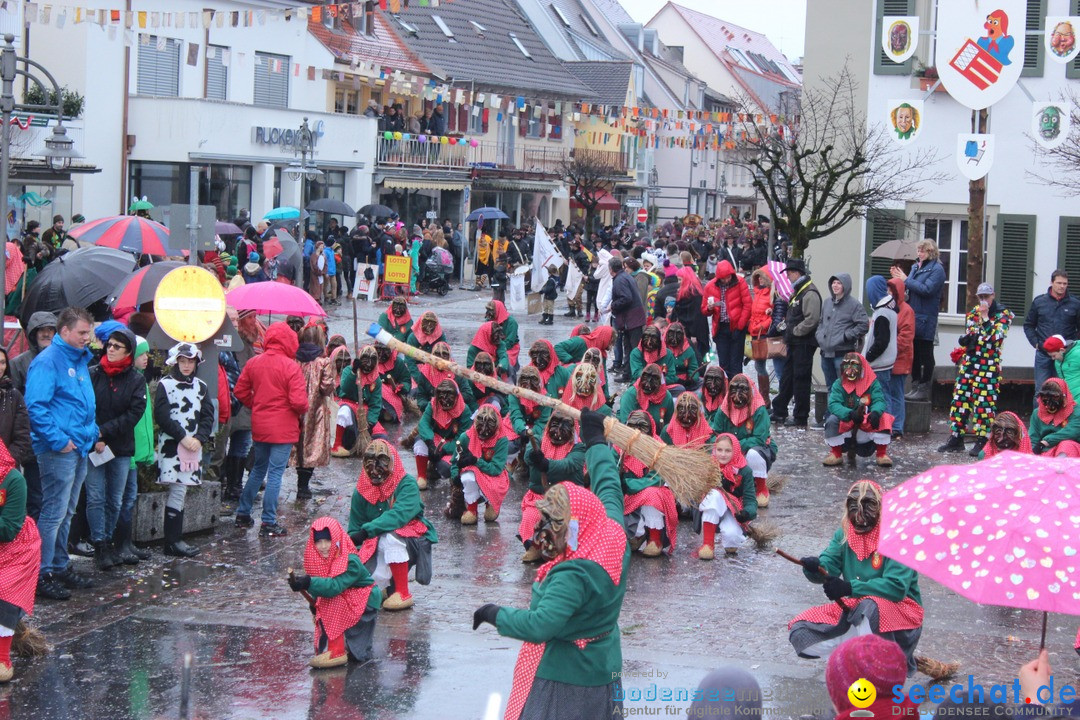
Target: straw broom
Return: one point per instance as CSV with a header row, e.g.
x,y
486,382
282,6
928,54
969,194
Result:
x,y
688,472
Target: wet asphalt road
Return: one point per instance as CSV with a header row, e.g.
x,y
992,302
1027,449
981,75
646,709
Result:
x,y
118,648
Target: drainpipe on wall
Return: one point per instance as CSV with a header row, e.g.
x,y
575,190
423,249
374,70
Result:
x,y
124,124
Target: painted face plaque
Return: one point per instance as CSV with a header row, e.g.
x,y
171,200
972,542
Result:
x,y
899,36
980,49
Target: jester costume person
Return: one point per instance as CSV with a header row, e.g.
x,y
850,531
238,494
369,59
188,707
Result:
x,y
396,384
688,426
528,418
346,598
360,404
496,312
396,320
595,358
569,664
584,391
553,376
652,350
1055,424
651,516
879,595
20,558
572,349
857,416
713,389
429,377
386,506
978,378
426,333
479,466
558,458
745,414
650,394
490,338
484,364
685,356
1007,432
442,423
730,507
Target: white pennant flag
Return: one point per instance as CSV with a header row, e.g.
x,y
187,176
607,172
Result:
x,y
544,254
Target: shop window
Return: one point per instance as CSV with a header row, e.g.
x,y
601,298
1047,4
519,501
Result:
x,y
161,183
272,80
226,187
158,71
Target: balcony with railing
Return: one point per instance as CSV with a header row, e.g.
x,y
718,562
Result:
x,y
469,157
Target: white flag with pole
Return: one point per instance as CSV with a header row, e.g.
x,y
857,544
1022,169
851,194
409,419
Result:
x,y
544,254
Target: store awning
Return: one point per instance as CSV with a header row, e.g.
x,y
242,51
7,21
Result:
x,y
606,202
519,185
422,184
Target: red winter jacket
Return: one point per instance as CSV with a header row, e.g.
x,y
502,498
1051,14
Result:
x,y
737,296
224,401
905,329
273,386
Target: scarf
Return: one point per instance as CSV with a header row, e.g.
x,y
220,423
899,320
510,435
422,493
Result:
x,y
678,351
653,356
710,402
112,369
1025,440
739,416
384,367
1061,417
600,338
336,614
863,544
444,418
425,339
860,386
571,398
478,446
630,463
435,376
501,313
696,435
482,340
644,401
545,375
737,462
557,452
365,380
376,494
392,320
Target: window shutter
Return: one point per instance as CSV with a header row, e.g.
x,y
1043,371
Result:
x,y
1072,70
1015,251
882,64
217,75
463,111
1033,48
1069,247
881,227
159,70
523,124
272,80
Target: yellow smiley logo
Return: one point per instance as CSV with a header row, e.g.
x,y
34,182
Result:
x,y
862,693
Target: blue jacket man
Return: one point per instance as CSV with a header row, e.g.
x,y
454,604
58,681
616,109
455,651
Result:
x,y
62,408
924,287
1055,313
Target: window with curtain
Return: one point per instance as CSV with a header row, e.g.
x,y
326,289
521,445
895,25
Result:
x,y
217,74
272,80
158,71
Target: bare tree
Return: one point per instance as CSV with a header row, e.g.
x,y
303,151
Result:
x,y
591,174
824,165
1059,167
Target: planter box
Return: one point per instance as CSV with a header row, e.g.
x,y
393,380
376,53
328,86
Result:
x,y
926,83
201,509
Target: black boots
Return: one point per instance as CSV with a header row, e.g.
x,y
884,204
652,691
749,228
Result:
x,y
955,444
125,549
570,313
174,526
919,391
977,447
303,479
103,555
547,319
234,477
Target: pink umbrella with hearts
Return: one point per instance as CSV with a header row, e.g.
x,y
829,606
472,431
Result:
x,y
1004,531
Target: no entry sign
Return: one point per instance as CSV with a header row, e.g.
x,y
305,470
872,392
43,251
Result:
x,y
642,215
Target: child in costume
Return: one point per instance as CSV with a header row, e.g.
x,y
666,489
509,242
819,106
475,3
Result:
x,y
1006,433
729,507
1055,425
346,598
713,389
553,376
496,312
360,398
396,384
685,356
386,506
652,350
584,391
572,349
857,414
745,414
396,319
490,339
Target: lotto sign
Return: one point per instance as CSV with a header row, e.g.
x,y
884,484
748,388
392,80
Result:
x,y
398,270
980,49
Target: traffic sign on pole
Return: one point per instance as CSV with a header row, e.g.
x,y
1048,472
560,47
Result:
x,y
642,215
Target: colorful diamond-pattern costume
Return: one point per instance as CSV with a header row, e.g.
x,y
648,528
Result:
x,y
978,378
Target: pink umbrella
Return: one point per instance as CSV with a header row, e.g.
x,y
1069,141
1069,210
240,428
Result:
x,y
780,280
274,298
1004,531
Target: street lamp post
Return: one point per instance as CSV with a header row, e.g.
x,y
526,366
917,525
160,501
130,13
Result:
x,y
59,148
721,193
303,170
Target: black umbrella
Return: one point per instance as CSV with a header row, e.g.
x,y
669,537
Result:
x,y
331,206
375,210
136,290
291,257
79,278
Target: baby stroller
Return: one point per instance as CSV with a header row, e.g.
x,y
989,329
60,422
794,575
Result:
x,y
437,272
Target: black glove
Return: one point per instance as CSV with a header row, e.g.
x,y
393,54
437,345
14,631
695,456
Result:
x,y
742,516
359,537
592,428
485,614
465,458
811,564
299,582
1040,448
858,415
729,487
836,588
874,418
538,460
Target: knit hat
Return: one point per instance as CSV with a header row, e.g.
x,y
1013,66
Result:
x,y
869,657
179,350
141,346
105,329
1054,343
253,257
78,218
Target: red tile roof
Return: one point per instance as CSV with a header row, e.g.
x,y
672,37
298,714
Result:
x,y
383,47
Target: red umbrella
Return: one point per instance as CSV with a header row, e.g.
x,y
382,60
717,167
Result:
x,y
274,298
130,233
139,288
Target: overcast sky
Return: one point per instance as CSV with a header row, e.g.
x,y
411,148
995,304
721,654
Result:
x,y
782,21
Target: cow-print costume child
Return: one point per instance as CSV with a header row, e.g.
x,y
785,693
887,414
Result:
x,y
185,414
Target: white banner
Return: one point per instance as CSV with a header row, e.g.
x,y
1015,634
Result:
x,y
974,154
516,302
904,119
1050,123
1061,44
980,49
544,254
899,36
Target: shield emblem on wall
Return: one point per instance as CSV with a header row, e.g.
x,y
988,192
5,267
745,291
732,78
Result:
x,y
1060,38
1050,123
904,120
899,36
974,154
980,49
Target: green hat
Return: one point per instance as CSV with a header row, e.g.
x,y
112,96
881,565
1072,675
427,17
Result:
x,y
141,346
231,270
